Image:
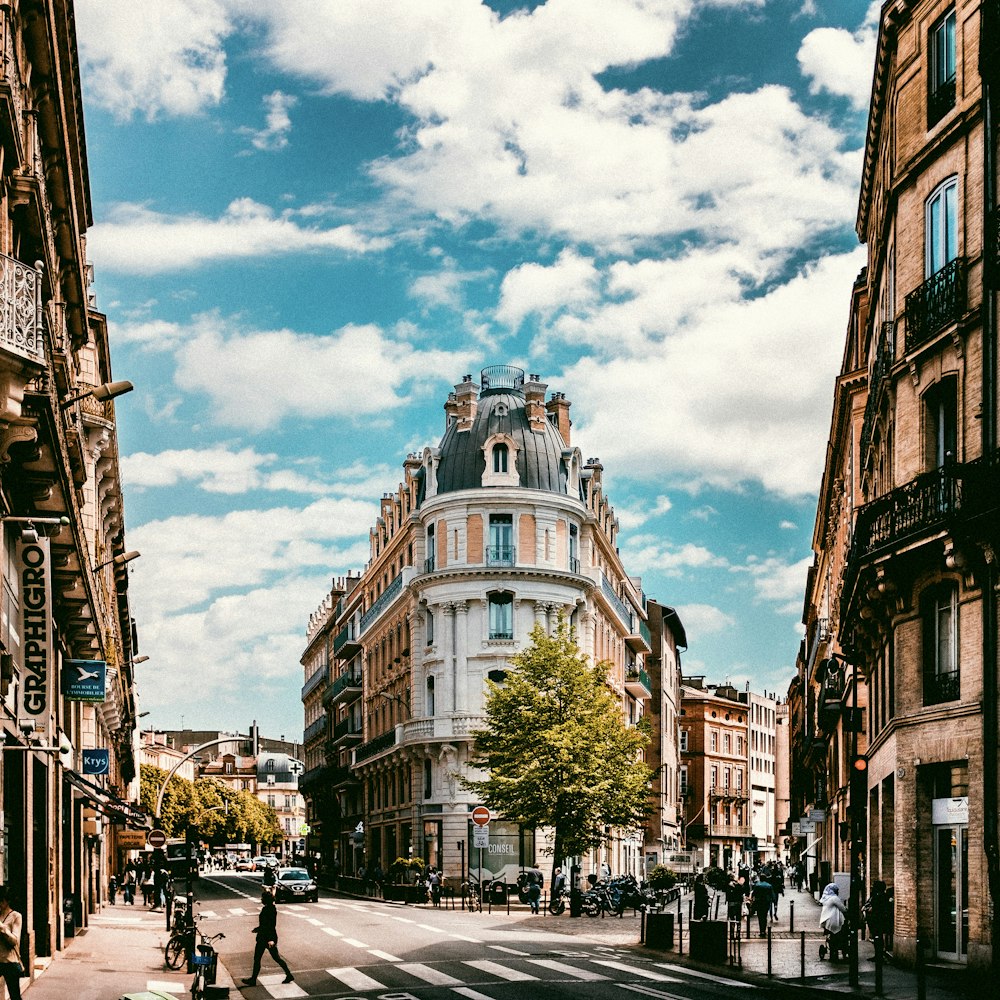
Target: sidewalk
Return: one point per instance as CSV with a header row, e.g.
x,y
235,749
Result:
x,y
119,952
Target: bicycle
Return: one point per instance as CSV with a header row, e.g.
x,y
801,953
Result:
x,y
205,962
181,938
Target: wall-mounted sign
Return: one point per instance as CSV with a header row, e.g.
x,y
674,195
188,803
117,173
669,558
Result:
x,y
131,840
96,761
817,815
84,680
36,634
949,812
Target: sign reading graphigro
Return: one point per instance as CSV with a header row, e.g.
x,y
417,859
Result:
x,y
34,575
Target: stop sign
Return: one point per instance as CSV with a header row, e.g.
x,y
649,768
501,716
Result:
x,y
481,816
156,838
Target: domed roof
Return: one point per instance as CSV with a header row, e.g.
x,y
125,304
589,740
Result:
x,y
501,410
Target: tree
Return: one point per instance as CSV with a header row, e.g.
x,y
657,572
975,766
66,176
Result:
x,y
556,748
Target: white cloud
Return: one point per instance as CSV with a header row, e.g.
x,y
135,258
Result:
x,y
572,281
778,581
278,122
703,619
842,62
645,553
788,526
137,240
162,58
674,376
305,375
703,513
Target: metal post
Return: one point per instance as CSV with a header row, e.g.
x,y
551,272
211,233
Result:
x,y
680,933
769,951
791,917
802,955
879,947
921,972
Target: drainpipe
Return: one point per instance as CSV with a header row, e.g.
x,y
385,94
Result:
x,y
989,44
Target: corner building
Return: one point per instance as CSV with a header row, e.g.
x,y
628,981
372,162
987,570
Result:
x,y
501,526
904,585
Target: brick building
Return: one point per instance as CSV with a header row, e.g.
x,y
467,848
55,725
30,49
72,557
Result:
x,y
901,606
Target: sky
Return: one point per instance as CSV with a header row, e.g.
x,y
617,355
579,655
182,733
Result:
x,y
312,218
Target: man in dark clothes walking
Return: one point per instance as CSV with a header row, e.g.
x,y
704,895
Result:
x,y
267,939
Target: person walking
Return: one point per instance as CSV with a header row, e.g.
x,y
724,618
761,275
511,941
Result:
x,y
832,920
10,944
878,915
700,898
760,903
434,883
128,885
112,889
267,940
534,892
734,900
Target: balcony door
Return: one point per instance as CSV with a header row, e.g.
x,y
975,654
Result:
x,y
501,547
941,227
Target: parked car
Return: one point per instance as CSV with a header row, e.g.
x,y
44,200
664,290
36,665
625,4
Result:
x,y
258,863
295,884
244,864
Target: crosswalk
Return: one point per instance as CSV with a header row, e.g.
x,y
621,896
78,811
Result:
x,y
473,978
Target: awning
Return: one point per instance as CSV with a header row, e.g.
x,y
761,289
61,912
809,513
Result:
x,y
108,802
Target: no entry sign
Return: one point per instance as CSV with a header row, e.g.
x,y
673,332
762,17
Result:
x,y
481,816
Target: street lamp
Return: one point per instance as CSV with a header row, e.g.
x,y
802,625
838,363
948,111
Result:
x,y
29,533
397,699
119,560
108,390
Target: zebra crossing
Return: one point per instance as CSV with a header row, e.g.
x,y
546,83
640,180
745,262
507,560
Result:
x,y
471,977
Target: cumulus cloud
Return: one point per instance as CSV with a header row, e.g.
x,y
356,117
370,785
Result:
x,y
277,124
703,619
571,281
841,62
137,240
776,580
645,553
160,59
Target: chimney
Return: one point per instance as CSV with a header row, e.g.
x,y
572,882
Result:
x,y
594,464
450,411
466,403
534,403
558,411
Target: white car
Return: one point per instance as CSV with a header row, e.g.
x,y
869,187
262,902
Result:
x,y
293,884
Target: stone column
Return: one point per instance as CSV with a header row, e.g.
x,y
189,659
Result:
x,y
447,696
461,676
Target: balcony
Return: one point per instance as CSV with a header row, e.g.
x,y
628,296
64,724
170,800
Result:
x,y
314,682
639,640
429,564
637,684
500,555
943,687
441,728
940,300
346,642
314,730
374,747
346,732
940,101
611,596
381,605
345,688
21,330
885,355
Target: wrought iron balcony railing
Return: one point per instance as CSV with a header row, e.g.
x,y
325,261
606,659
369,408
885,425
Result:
x,y
21,310
939,688
882,364
940,300
624,611
500,555
385,599
375,746
314,681
342,687
940,101
315,729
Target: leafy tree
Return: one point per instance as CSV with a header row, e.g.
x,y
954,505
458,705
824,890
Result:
x,y
556,748
662,877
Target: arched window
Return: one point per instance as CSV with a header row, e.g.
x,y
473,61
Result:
x,y
501,616
500,455
941,227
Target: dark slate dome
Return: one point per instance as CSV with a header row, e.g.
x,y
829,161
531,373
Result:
x,y
501,410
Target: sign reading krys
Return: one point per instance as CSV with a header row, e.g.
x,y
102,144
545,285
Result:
x,y
35,695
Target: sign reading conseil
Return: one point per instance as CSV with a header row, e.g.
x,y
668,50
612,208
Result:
x,y
84,680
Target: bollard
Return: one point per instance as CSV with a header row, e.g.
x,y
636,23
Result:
x,y
802,955
921,972
680,933
717,898
748,926
791,917
642,926
768,951
879,948
690,909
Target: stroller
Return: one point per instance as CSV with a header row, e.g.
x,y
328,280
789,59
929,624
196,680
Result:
x,y
835,924
836,943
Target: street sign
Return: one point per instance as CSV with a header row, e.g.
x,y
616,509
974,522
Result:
x,y
131,840
156,838
796,829
481,837
817,815
96,761
84,680
481,816
304,830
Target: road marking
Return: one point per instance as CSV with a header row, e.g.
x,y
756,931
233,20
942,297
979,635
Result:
x,y
648,991
165,986
404,920
634,971
501,971
326,906
684,971
428,927
384,955
355,979
314,922
279,989
509,951
567,970
208,914
332,932
462,937
467,991
355,943
238,911
433,976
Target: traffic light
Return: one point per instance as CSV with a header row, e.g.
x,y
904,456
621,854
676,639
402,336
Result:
x,y
860,765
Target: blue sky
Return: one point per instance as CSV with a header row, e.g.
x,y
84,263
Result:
x,y
313,218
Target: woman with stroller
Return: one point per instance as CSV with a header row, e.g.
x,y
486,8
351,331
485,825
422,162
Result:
x,y
833,921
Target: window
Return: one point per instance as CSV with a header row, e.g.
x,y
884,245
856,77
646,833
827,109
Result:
x,y
683,774
430,696
500,456
714,740
727,743
941,69
429,561
501,547
942,423
574,549
428,779
939,610
715,777
941,227
430,627
684,740
501,616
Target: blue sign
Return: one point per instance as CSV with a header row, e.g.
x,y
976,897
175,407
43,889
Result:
x,y
96,761
84,680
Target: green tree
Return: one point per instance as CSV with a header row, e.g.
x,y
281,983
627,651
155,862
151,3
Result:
x,y
556,749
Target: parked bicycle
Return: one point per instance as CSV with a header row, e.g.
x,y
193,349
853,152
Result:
x,y
206,963
181,939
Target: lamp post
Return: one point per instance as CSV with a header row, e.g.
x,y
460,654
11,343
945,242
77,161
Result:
x,y
119,560
103,392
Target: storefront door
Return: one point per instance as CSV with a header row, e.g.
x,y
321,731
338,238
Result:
x,y
951,891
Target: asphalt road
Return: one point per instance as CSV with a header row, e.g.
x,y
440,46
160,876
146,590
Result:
x,y
346,948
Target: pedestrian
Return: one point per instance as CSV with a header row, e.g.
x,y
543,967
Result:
x,y
147,886
434,881
10,945
128,886
832,919
605,870
534,892
878,914
267,940
700,898
112,889
378,878
776,877
734,900
760,903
